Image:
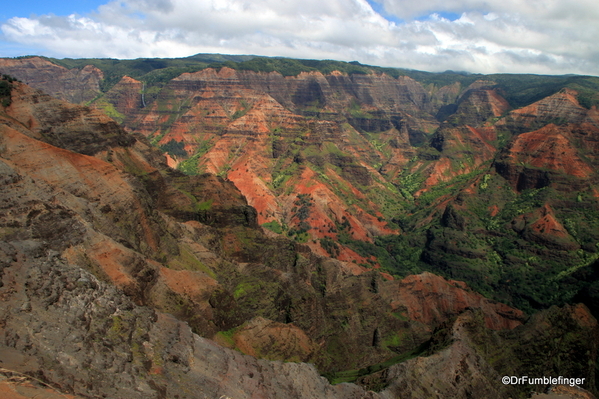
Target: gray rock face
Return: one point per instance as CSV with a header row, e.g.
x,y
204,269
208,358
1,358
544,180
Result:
x,y
63,325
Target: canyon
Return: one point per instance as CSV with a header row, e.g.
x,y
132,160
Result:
x,y
242,233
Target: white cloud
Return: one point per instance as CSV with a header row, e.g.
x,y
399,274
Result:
x,y
543,10
552,36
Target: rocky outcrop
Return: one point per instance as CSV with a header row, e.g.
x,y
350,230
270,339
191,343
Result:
x,y
123,100
556,147
480,102
559,108
547,157
73,85
454,151
431,299
335,91
541,226
266,339
458,371
62,325
475,360
72,127
60,302
466,141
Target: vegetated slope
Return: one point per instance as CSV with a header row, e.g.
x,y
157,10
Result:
x,y
458,199
99,237
343,157
404,170
523,221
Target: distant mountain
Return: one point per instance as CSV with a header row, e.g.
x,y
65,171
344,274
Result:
x,y
311,201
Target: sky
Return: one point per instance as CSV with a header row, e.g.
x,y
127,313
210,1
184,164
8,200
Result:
x,y
479,36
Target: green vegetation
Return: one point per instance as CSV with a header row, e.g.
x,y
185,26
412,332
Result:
x,y
521,90
293,67
301,211
356,111
227,336
273,226
109,110
330,246
498,255
205,205
353,375
245,107
257,294
190,165
444,189
6,89
186,260
174,148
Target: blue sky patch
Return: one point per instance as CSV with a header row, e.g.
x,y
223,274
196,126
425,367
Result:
x,y
452,16
26,8
379,9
